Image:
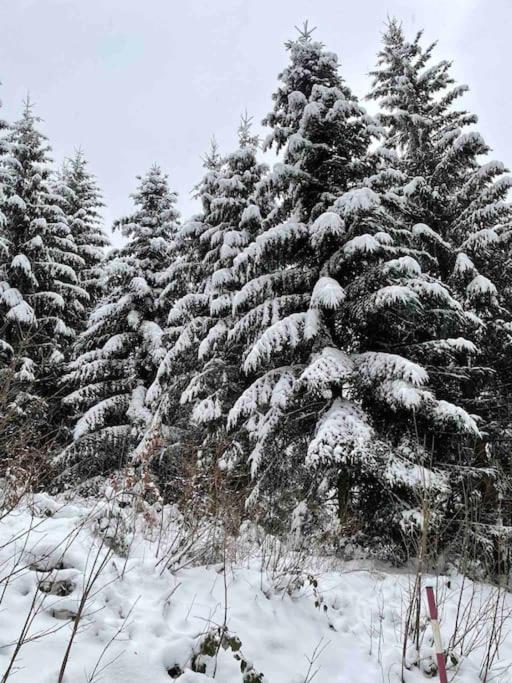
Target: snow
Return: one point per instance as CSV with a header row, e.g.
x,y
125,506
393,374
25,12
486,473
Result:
x,y
312,110
22,313
405,265
207,410
115,344
36,242
136,410
21,262
249,214
152,335
221,303
327,293
27,370
413,186
95,416
406,473
273,238
472,139
354,201
463,264
10,296
258,394
384,238
481,239
400,394
393,295
222,276
450,415
297,100
312,324
342,435
140,287
17,202
289,331
296,142
182,308
365,244
458,344
328,224
264,287
480,286
374,365
147,620
422,230
433,290
331,366
215,335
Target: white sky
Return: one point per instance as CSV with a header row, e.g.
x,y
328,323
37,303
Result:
x,y
136,82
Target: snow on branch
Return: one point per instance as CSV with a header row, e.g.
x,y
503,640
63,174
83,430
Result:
x,y
328,225
449,415
287,332
342,435
288,234
259,394
374,366
328,368
480,286
97,415
327,293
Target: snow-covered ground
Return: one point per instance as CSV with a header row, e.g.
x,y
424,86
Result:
x,y
142,622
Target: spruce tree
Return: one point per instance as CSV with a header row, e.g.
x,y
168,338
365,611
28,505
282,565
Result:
x,y
82,204
455,203
186,300
120,351
321,133
236,220
40,296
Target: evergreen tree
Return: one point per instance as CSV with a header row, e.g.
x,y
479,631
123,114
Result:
x,y
457,208
235,220
40,296
186,297
120,351
82,203
322,134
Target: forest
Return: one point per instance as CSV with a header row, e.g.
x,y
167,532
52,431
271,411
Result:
x,y
308,377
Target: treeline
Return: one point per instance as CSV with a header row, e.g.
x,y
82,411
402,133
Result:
x,y
330,339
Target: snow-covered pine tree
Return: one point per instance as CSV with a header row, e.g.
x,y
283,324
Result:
x,y
120,351
338,316
235,220
40,297
322,135
456,204
187,318
198,380
82,203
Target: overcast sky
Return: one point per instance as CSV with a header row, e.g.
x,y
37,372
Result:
x,y
135,82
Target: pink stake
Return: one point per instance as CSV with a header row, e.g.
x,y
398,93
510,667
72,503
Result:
x,y
441,661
